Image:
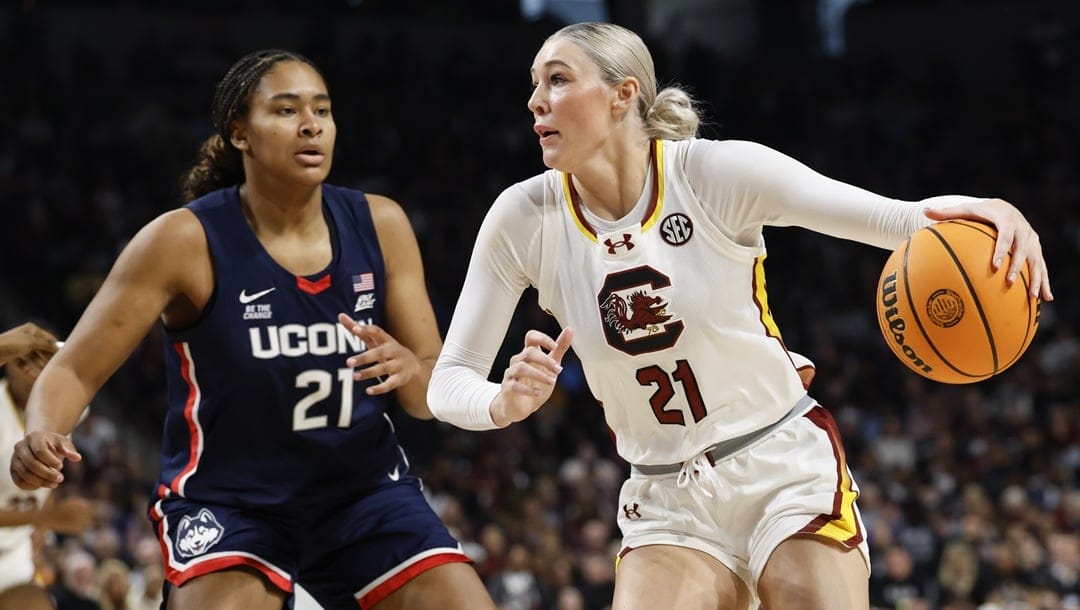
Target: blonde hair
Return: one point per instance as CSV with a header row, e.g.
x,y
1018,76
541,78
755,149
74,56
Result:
x,y
619,53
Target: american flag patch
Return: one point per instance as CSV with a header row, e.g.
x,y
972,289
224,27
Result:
x,y
363,282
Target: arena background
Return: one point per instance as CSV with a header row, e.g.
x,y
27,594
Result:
x,y
969,492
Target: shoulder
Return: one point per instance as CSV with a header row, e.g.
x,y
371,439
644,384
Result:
x,y
709,161
172,249
730,151
527,198
173,231
386,212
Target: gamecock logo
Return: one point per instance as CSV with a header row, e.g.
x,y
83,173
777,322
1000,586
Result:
x,y
639,313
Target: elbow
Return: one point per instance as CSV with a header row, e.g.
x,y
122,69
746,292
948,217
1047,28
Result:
x,y
435,397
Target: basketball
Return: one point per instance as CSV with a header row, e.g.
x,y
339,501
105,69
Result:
x,y
945,313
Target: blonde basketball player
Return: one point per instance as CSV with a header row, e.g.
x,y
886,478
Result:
x,y
647,243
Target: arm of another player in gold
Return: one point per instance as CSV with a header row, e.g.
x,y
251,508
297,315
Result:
x,y
410,318
71,515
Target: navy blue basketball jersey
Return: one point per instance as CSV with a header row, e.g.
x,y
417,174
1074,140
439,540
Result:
x,y
262,409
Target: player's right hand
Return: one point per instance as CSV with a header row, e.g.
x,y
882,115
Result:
x,y
38,459
530,379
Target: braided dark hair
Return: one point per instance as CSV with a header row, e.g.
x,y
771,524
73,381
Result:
x,y
218,163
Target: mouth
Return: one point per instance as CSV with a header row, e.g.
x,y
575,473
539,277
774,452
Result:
x,y
544,131
546,134
311,156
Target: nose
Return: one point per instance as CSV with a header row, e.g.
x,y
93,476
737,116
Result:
x,y
310,126
537,103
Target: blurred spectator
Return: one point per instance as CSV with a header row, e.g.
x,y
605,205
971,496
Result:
x,y
515,587
77,587
114,585
900,586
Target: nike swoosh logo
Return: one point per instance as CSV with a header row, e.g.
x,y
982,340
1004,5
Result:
x,y
246,298
394,476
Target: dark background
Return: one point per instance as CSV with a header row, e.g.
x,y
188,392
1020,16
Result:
x,y
103,105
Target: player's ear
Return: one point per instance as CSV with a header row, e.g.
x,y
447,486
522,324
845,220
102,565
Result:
x,y
626,95
238,136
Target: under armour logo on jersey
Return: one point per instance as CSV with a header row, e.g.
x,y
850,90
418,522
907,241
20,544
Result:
x,y
195,535
625,242
631,511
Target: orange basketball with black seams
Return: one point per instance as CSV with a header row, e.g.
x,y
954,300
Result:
x,y
944,311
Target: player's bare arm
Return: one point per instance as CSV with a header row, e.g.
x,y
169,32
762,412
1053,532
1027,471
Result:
x,y
403,354
163,270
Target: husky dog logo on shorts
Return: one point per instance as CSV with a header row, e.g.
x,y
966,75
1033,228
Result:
x,y
197,534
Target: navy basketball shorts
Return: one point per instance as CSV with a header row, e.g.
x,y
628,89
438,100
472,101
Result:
x,y
349,555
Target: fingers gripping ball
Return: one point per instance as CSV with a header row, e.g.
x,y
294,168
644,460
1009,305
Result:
x,y
944,311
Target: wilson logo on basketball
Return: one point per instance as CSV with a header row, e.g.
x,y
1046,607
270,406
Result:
x,y
945,308
896,324
948,314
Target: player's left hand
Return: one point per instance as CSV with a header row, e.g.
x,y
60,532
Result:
x,y
1016,237
386,360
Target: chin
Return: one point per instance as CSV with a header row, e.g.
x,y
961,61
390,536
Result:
x,y
314,176
551,159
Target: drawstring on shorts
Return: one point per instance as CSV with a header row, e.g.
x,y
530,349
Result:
x,y
698,470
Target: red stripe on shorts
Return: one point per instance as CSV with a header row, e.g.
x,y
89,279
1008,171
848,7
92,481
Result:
x,y
406,574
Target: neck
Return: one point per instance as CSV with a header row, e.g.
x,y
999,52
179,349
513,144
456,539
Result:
x,y
610,183
273,208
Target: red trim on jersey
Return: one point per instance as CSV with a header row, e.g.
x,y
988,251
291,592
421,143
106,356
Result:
x,y
189,408
821,418
179,577
654,194
408,573
311,287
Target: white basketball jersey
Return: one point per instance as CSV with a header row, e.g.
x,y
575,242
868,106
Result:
x,y
668,303
12,498
672,324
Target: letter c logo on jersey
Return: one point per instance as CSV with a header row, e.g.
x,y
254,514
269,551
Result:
x,y
195,535
636,322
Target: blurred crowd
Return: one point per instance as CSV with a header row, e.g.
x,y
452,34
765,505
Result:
x,y
969,493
